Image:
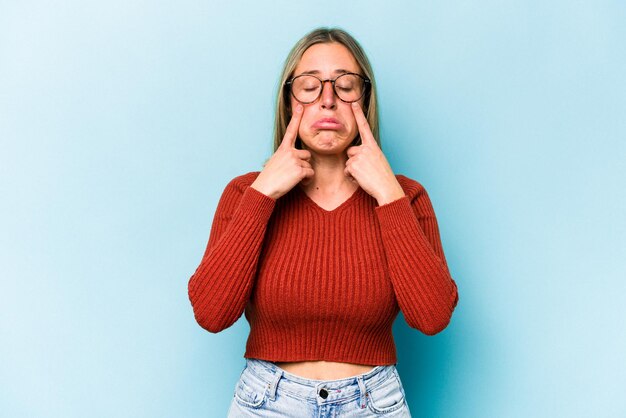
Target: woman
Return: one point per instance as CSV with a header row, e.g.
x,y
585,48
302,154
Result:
x,y
322,248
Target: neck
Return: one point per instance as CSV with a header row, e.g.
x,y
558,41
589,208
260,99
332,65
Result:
x,y
329,173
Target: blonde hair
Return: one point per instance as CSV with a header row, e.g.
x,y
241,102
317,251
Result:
x,y
317,36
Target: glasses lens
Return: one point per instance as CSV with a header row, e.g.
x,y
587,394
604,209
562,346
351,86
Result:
x,y
306,88
349,87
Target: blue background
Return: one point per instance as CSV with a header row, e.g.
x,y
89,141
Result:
x,y
121,122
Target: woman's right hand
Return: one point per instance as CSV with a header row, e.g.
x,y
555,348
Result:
x,y
288,166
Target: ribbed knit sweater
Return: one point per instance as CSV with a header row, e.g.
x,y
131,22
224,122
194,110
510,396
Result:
x,y
321,284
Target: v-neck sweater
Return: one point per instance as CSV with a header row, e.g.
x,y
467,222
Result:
x,y
319,284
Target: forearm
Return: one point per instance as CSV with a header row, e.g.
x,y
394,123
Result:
x,y
426,293
221,285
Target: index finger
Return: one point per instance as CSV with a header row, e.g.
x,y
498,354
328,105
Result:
x,y
364,128
292,129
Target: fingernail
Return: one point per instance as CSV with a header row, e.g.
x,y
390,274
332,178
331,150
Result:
x,y
355,105
299,108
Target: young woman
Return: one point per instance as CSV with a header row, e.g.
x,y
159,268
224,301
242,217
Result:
x,y
321,249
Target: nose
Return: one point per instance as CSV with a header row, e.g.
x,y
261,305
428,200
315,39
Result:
x,y
329,100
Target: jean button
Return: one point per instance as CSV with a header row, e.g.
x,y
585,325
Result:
x,y
324,393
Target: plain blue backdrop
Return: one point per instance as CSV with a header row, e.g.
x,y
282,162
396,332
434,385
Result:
x,y
122,121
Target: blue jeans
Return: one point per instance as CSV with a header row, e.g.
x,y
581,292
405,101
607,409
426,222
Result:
x,y
266,390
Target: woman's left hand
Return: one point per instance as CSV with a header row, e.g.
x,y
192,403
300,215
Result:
x,y
368,166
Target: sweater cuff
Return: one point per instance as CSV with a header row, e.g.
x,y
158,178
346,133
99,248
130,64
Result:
x,y
257,203
395,214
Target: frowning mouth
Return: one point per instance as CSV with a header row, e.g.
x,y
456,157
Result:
x,y
328,123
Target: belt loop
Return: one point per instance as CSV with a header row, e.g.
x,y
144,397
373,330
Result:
x,y
278,373
359,379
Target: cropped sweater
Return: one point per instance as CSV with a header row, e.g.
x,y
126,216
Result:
x,y
319,284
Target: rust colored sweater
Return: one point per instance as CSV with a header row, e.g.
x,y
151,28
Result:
x,y
318,284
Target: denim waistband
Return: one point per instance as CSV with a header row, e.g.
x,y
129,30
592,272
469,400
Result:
x,y
344,389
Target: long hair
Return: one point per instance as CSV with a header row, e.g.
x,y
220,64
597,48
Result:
x,y
283,103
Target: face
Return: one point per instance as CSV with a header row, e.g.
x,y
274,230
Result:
x,y
327,61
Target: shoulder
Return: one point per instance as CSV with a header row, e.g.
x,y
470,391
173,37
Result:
x,y
241,182
418,197
235,188
412,188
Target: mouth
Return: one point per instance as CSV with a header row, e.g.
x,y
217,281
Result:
x,y
328,123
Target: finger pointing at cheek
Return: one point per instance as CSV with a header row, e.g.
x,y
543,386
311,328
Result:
x,y
367,138
289,140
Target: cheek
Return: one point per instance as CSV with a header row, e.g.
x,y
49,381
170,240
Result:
x,y
307,119
351,124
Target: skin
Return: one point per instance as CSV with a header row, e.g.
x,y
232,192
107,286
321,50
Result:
x,y
328,169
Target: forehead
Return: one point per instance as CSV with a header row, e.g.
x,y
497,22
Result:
x,y
327,58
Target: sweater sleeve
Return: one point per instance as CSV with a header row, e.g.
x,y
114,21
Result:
x,y
220,287
425,291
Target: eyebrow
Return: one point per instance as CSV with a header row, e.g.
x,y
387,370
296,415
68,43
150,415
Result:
x,y
340,70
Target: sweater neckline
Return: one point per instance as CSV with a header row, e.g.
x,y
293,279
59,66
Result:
x,y
355,195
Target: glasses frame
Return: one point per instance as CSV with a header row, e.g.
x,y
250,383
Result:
x,y
367,84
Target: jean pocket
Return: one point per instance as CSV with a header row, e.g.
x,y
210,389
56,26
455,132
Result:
x,y
388,396
250,391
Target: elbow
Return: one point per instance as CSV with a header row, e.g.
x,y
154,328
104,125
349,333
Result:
x,y
212,326
429,325
206,317
214,310
440,319
210,322
435,327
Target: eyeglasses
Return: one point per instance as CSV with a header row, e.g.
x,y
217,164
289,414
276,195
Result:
x,y
349,87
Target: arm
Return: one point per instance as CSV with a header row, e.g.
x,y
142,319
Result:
x,y
221,285
425,291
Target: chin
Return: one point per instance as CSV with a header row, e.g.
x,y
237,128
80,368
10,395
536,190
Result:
x,y
327,143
